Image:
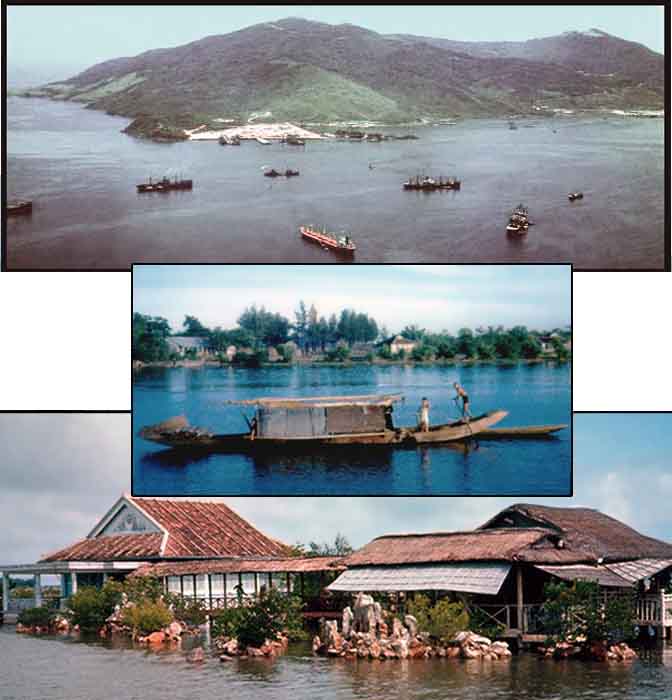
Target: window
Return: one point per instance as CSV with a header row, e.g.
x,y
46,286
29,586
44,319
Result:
x,y
249,584
188,583
174,584
202,590
217,585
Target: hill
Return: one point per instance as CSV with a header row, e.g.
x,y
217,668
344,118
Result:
x,y
314,72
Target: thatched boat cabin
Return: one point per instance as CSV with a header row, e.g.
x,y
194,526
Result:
x,y
199,548
499,570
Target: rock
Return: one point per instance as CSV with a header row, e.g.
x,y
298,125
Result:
x,y
155,638
411,624
346,623
224,657
398,630
253,651
374,650
196,656
174,630
453,652
461,637
471,652
400,648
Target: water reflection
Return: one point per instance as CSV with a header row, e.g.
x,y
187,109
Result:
x,y
107,670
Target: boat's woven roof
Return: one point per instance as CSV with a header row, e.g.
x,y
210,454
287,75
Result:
x,y
322,401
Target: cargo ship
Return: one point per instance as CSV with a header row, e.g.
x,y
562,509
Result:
x,y
430,184
343,244
165,185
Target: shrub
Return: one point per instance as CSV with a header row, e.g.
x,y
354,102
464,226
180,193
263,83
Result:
x,y
36,617
442,621
579,609
147,617
90,607
483,624
141,588
253,622
340,354
188,610
385,353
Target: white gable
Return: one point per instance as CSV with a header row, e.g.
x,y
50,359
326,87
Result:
x,y
128,519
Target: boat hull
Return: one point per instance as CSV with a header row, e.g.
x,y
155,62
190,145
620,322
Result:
x,y
327,242
450,432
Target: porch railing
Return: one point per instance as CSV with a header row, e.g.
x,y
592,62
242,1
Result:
x,y
506,616
654,609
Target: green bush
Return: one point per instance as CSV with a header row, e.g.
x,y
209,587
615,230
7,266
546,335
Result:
x,y
253,622
385,353
340,354
188,610
580,609
36,617
141,588
90,607
484,625
442,620
147,617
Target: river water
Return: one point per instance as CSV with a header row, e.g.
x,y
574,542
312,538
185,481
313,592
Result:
x,y
533,394
48,669
81,173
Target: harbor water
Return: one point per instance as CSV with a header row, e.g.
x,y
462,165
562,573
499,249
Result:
x,y
532,394
81,173
51,669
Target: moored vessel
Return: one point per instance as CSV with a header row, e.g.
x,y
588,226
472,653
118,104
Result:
x,y
430,184
17,207
342,244
165,185
519,223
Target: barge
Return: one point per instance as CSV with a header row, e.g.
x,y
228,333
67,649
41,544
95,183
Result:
x,y
430,184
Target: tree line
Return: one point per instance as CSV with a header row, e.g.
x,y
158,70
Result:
x,y
258,329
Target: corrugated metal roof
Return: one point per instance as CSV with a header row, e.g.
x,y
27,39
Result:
x,y
478,577
639,569
581,572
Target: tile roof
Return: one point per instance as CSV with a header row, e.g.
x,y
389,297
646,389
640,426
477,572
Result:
x,y
194,529
131,547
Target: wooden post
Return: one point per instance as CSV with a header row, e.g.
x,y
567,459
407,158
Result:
x,y
210,589
519,597
226,602
302,585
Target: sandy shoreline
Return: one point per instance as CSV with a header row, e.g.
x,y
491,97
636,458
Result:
x,y
251,132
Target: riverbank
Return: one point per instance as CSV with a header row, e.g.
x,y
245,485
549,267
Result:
x,y
209,363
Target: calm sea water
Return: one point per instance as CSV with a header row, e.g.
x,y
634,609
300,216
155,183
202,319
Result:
x,y
533,394
50,669
81,173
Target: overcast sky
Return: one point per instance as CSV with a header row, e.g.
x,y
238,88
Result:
x,y
61,40
62,472
435,297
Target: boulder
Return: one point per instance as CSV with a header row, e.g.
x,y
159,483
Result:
x,y
346,623
155,638
411,624
196,656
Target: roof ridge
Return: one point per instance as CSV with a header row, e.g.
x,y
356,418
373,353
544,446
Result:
x,y
448,533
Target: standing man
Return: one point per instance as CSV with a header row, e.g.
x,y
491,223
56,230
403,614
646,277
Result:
x,y
424,415
462,395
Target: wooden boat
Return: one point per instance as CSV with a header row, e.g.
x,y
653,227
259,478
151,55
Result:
x,y
318,422
528,431
343,245
17,207
574,196
292,140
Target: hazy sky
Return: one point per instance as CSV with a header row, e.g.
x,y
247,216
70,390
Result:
x,y
71,38
436,297
61,473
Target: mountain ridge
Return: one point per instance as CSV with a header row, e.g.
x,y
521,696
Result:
x,y
309,71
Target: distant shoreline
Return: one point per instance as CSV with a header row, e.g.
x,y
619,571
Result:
x,y
205,363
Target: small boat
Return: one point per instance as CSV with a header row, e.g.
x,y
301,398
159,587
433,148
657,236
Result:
x,y
165,185
17,207
276,173
513,126
229,141
528,431
574,196
293,140
340,244
263,142
335,420
519,223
